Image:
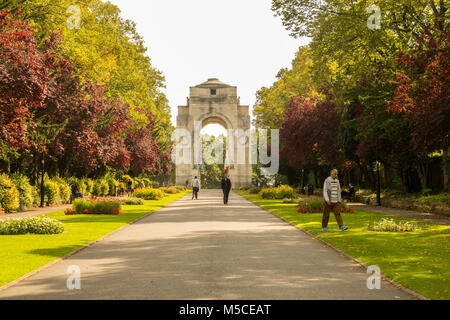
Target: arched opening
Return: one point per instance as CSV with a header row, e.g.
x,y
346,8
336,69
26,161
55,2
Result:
x,y
213,138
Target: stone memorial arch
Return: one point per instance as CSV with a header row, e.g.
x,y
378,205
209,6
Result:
x,y
214,102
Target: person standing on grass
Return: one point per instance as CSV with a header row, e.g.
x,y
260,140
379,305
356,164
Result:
x,y
195,188
333,199
226,188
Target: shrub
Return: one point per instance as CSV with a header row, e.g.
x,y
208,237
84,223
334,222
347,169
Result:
x,y
132,201
126,178
104,187
112,185
9,195
170,190
315,205
267,193
254,190
89,186
180,188
101,188
37,194
147,183
97,190
51,191
33,225
64,190
390,225
279,192
149,194
438,198
81,206
25,191
284,191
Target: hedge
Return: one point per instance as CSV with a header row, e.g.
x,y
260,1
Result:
x,y
33,225
26,196
9,195
149,194
81,206
280,192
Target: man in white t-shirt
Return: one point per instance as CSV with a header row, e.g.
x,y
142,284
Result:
x,y
195,188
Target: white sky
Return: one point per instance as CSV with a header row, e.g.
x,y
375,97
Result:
x,y
238,41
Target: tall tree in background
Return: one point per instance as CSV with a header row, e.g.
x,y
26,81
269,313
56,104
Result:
x,y
97,76
423,94
310,132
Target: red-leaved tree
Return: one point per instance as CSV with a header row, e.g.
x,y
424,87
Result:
x,y
310,130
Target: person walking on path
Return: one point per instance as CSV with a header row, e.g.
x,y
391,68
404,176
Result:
x,y
195,188
226,188
121,189
333,199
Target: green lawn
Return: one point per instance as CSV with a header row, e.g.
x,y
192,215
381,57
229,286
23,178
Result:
x,y
418,260
21,254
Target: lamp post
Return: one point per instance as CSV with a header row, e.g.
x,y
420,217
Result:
x,y
42,183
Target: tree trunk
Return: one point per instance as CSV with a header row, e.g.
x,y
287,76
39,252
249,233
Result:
x,y
444,170
404,178
373,183
316,178
422,170
386,176
360,176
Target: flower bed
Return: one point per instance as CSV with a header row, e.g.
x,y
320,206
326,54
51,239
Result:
x,y
149,194
254,190
111,207
390,225
132,201
279,192
32,225
170,190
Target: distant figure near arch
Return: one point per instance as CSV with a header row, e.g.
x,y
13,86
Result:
x,y
226,188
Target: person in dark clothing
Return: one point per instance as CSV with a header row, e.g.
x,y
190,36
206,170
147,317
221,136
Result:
x,y
76,193
195,188
350,193
226,188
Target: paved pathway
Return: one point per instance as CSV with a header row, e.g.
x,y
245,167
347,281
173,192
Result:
x,y
34,212
201,249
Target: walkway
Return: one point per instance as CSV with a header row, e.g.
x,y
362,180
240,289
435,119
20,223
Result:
x,y
201,249
34,212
